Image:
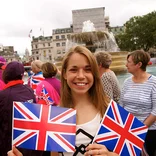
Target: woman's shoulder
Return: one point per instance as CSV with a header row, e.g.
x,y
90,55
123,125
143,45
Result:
x,y
53,79
129,79
152,80
109,74
45,84
106,76
153,77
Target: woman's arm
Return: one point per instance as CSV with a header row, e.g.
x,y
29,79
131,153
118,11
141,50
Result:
x,y
150,120
152,117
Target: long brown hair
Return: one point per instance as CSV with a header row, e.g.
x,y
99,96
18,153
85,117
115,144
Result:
x,y
96,92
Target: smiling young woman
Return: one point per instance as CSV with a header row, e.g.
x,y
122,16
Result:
x,y
81,89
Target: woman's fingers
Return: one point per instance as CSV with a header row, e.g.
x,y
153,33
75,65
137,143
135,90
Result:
x,y
14,152
96,146
17,152
94,152
10,153
96,149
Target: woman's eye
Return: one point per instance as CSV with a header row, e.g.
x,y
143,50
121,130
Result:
x,y
88,69
73,70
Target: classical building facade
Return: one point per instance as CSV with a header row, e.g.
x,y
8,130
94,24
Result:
x,y
42,48
95,15
59,41
51,48
9,54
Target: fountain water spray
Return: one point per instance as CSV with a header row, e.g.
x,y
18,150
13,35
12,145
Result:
x,y
92,39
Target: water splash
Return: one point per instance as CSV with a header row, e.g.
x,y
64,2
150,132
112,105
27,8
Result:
x,y
88,26
92,39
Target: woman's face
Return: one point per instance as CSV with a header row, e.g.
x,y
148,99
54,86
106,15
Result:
x,y
78,74
131,66
34,69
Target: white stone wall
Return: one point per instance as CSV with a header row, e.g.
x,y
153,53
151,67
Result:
x,y
95,15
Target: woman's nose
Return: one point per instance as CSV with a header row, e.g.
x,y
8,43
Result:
x,y
80,74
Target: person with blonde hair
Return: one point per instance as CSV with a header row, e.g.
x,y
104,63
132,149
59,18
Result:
x,y
109,80
37,75
138,95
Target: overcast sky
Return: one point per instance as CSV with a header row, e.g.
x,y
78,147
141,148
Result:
x,y
18,17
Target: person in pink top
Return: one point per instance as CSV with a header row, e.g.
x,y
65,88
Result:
x,y
51,84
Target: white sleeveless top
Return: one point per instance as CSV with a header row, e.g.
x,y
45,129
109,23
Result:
x,y
84,136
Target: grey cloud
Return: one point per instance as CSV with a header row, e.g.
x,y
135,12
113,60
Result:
x,y
12,30
19,19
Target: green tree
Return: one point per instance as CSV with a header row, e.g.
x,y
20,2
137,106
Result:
x,y
140,33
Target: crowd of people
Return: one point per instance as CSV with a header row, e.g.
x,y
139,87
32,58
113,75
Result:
x,y
87,76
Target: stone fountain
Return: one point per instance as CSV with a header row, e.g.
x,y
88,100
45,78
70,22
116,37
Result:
x,y
99,41
92,39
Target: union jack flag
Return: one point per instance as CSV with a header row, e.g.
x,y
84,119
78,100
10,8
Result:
x,y
43,127
35,80
121,132
45,97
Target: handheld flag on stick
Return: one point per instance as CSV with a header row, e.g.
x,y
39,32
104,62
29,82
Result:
x,y
121,132
43,127
35,80
45,97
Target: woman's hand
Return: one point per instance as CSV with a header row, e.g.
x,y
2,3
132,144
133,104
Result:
x,y
97,149
14,152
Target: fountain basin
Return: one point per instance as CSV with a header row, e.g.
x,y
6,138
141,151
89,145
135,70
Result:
x,y
118,62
